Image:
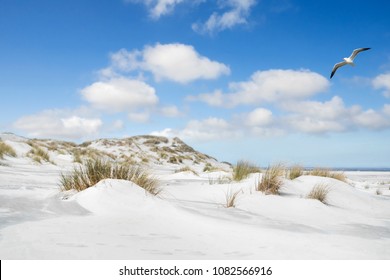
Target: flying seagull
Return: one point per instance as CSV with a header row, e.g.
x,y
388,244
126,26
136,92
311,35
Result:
x,y
347,60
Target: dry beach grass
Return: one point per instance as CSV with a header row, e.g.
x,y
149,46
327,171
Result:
x,y
319,192
271,182
93,171
6,149
243,169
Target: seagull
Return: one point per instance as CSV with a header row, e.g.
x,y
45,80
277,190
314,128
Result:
x,y
347,60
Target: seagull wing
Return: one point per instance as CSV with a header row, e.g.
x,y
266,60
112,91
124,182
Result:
x,y
337,66
355,52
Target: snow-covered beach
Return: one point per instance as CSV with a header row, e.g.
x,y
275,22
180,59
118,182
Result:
x,y
117,219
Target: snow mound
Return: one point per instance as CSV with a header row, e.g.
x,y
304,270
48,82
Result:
x,y
344,196
116,197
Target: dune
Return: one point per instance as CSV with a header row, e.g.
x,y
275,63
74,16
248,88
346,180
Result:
x,y
118,219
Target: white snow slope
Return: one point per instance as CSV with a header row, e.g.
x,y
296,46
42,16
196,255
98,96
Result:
x,y
117,220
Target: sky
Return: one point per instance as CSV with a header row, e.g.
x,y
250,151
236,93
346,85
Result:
x,y
236,79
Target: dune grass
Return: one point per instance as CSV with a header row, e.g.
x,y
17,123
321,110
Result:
x,y
295,171
38,154
231,198
319,192
271,182
6,149
242,170
186,169
323,172
220,180
94,170
210,168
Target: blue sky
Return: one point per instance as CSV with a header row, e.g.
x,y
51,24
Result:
x,y
237,79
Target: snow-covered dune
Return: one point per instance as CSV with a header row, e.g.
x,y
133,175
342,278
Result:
x,y
117,219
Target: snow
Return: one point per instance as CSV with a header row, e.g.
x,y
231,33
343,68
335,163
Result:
x,y
117,219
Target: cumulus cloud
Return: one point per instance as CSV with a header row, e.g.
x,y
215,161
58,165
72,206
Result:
x,y
176,62
259,117
208,129
59,124
333,109
313,125
202,130
181,63
236,13
316,117
270,86
308,117
372,120
120,94
119,90
382,82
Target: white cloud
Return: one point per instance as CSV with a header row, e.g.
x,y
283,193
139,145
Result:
x,y
313,125
170,111
258,117
216,99
316,117
230,13
158,8
208,129
167,132
308,117
382,82
120,95
386,109
181,63
333,109
59,124
270,86
176,62
372,120
77,123
236,14
202,130
124,60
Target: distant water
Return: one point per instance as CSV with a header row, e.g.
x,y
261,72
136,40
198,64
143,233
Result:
x,y
377,169
374,169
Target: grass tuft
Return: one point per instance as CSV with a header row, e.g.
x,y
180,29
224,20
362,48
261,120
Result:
x,y
271,182
242,170
6,149
219,180
93,171
319,192
323,172
186,169
231,197
210,168
38,154
295,171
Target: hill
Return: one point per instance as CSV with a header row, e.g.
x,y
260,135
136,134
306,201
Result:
x,y
145,150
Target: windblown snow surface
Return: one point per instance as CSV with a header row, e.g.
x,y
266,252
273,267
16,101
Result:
x,y
117,219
